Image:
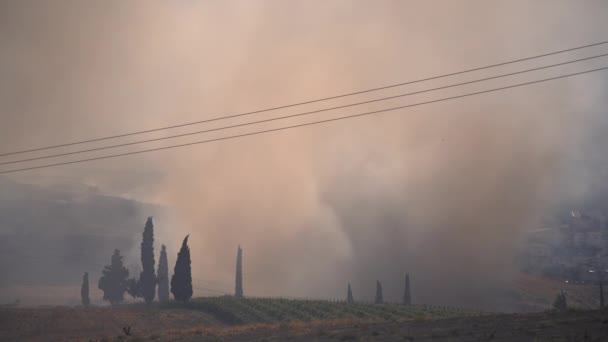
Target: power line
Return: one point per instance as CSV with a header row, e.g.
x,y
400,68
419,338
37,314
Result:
x,y
301,125
303,102
299,114
304,124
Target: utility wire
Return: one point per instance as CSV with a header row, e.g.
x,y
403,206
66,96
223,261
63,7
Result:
x,y
298,114
302,103
304,124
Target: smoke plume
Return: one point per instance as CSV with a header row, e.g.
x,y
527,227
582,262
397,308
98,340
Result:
x,y
444,191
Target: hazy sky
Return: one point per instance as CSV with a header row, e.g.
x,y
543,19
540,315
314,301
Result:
x,y
442,191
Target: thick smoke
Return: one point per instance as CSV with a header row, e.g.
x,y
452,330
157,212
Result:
x,y
443,191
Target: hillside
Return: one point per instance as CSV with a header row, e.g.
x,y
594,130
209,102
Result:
x,y
50,236
229,319
61,323
231,310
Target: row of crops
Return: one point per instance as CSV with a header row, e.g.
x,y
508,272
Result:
x,y
233,310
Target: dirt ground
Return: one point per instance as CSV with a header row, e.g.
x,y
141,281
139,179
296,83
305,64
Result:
x,y
105,324
69,324
581,326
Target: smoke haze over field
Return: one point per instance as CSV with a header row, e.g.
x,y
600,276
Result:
x,y
442,191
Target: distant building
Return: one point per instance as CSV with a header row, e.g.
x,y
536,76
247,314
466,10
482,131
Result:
x,y
565,250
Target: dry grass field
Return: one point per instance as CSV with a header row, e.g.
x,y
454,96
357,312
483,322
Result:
x,y
213,315
153,324
231,319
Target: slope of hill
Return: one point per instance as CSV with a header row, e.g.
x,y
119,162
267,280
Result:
x,y
206,320
534,293
216,313
231,310
50,236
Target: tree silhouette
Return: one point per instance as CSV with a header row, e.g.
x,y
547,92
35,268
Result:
x,y
407,296
601,293
133,287
84,290
181,281
163,276
114,282
349,295
379,299
238,289
560,303
147,277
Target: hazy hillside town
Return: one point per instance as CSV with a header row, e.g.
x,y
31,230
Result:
x,y
574,249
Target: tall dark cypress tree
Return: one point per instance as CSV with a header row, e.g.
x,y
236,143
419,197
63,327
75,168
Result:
x,y
163,276
181,281
147,278
84,290
379,298
407,296
349,295
238,288
114,280
601,294
560,303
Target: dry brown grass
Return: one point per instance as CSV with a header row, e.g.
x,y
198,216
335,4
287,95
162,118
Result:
x,y
188,324
292,327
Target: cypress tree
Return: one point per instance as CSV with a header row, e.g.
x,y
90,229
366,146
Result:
x,y
114,280
147,278
181,281
238,288
134,287
407,297
349,295
163,276
84,290
601,294
560,303
379,299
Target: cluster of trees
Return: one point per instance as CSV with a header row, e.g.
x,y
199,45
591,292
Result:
x,y
115,281
379,298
